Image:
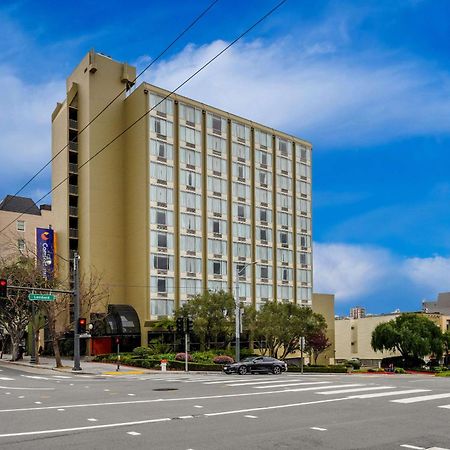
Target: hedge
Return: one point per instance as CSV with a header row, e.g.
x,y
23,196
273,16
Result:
x,y
319,369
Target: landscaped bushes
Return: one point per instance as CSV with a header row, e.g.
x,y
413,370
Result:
x,y
319,369
182,357
223,359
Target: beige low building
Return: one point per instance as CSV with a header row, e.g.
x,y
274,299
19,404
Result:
x,y
353,337
324,304
21,216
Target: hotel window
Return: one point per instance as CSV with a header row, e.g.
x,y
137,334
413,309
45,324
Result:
x,y
190,200
241,151
191,179
241,171
264,272
190,243
284,219
241,250
161,194
305,224
161,105
21,245
304,170
217,185
285,293
285,165
284,182
305,188
241,211
263,196
263,253
241,190
161,149
265,215
190,157
190,114
163,285
305,240
217,226
217,246
190,265
284,274
190,222
161,217
305,154
217,165
264,177
161,307
283,236
283,147
284,201
264,291
264,234
218,267
304,258
216,123
161,127
161,172
263,157
191,286
285,256
162,240
241,230
162,262
304,276
190,135
20,225
305,206
216,144
263,139
240,131
217,206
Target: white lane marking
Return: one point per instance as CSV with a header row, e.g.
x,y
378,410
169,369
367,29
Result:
x,y
423,398
186,417
63,377
132,395
198,406
35,377
71,384
6,379
267,408
345,391
27,389
106,390
92,427
133,433
240,379
7,393
289,385
21,396
328,386
250,417
60,409
387,394
279,385
412,446
437,448
318,429
38,403
205,397
92,419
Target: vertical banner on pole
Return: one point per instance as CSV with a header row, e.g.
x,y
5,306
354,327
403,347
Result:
x,y
45,244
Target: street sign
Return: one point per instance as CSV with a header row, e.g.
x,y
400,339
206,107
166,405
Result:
x,y
42,297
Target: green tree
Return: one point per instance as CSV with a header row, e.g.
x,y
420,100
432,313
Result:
x,y
281,325
213,316
413,335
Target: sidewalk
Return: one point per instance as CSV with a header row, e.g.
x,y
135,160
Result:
x,y
87,367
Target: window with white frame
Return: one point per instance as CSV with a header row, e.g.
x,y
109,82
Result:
x,y
218,165
161,172
190,157
263,253
161,217
190,222
216,144
217,246
241,230
190,265
20,225
190,200
161,194
190,114
161,127
161,105
241,249
161,149
217,205
263,157
217,185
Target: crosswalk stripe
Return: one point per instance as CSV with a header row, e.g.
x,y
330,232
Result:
x,y
6,379
345,391
277,381
290,385
423,398
228,380
315,388
386,394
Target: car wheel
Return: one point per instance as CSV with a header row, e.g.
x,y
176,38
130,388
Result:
x,y
242,370
276,370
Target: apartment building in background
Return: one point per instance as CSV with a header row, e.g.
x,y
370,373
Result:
x,y
169,197
19,236
357,312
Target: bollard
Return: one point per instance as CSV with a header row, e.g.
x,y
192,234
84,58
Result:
x,y
163,365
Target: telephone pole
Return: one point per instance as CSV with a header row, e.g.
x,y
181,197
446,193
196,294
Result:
x,y
76,312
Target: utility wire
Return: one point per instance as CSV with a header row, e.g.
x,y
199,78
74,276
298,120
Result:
x,y
278,5
203,13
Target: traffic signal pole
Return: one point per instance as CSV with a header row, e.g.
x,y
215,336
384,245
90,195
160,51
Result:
x,y
76,312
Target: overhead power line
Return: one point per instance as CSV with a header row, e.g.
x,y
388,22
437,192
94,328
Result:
x,y
153,61
261,19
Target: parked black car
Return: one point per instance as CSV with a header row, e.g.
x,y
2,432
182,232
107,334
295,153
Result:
x,y
256,364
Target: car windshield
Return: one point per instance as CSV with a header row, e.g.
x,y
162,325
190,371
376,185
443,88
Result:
x,y
249,358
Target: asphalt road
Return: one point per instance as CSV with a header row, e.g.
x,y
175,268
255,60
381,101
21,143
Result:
x,y
42,409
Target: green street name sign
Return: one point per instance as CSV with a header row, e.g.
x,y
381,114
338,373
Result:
x,y
42,297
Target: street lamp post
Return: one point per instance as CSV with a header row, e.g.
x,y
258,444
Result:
x,y
237,305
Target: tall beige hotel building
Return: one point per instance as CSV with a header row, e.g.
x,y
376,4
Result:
x,y
189,198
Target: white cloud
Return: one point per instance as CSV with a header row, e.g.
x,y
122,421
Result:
x,y
315,91
25,124
349,271
359,272
433,273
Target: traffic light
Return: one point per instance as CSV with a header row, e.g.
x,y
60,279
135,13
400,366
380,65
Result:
x,y
3,287
81,325
180,325
190,324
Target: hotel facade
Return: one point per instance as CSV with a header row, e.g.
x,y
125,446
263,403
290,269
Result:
x,y
186,198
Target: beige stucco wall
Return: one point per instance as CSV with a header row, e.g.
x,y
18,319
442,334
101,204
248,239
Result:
x,y
324,304
10,237
353,337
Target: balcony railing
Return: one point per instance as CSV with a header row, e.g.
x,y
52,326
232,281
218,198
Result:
x,y
73,233
73,211
73,189
73,124
73,146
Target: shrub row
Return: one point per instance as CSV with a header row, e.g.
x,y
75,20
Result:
x,y
319,369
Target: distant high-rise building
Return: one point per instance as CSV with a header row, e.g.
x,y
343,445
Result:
x,y
357,312
190,198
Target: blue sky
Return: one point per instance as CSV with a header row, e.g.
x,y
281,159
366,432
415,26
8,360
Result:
x,y
367,82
